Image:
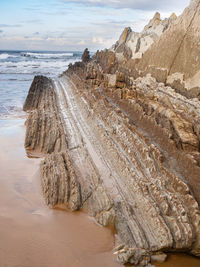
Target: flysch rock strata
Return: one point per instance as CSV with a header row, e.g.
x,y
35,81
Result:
x,y
97,158
125,148
133,44
167,49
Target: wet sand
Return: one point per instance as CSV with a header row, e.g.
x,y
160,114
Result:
x,y
32,235
180,260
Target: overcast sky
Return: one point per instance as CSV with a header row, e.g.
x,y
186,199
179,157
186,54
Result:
x,y
75,24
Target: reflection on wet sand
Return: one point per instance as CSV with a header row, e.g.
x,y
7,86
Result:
x,y
32,235
180,260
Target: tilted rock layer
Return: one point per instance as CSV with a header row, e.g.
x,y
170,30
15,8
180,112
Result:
x,y
167,49
177,53
126,148
133,44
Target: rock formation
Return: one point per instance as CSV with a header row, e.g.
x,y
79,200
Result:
x,y
181,62
167,49
86,56
133,44
123,146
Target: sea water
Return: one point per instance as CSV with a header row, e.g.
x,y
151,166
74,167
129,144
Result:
x,y
17,70
31,233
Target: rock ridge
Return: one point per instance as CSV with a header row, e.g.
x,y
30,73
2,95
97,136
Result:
x,y
171,55
105,163
122,145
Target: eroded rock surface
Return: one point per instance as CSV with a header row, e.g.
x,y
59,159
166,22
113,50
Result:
x,y
167,49
124,147
133,44
112,159
181,62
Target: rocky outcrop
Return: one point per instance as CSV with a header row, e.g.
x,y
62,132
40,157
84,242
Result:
x,y
124,147
86,56
133,44
120,158
44,130
167,49
180,64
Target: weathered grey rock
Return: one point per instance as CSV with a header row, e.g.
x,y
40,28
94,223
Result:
x,y
180,64
105,164
134,45
59,182
86,56
159,257
125,149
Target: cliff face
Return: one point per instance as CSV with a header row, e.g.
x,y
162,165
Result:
x,y
134,45
177,53
169,50
122,154
126,148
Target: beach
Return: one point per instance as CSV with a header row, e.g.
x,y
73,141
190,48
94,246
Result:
x,y
33,234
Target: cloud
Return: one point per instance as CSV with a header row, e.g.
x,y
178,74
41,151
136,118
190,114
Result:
x,y
133,4
101,42
1,31
33,21
95,24
10,25
82,42
97,40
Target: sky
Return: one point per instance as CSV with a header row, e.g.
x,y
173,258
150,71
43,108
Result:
x,y
72,25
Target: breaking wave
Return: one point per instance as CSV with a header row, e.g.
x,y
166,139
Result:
x,y
46,55
17,70
5,56
32,67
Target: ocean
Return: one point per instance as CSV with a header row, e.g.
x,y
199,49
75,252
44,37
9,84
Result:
x,y
17,70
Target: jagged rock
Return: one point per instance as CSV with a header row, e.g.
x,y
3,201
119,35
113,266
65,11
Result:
x,y
86,56
107,60
105,164
59,181
139,257
43,119
112,79
126,148
180,64
159,257
122,39
153,22
134,45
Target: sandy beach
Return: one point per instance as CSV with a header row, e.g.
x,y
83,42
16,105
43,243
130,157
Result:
x,y
31,233
34,235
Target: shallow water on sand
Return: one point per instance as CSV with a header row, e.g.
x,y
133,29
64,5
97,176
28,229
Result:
x,y
180,260
32,235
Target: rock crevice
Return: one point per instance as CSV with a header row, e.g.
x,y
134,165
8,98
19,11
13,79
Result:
x,y
104,163
122,145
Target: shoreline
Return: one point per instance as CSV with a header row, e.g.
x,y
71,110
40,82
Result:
x,y
32,234
89,157
13,130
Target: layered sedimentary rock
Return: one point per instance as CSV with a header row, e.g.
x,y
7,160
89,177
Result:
x,y
114,159
124,147
45,133
133,44
176,53
168,50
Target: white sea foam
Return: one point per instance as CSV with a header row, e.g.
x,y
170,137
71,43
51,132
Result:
x,y
5,56
17,70
29,67
46,55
